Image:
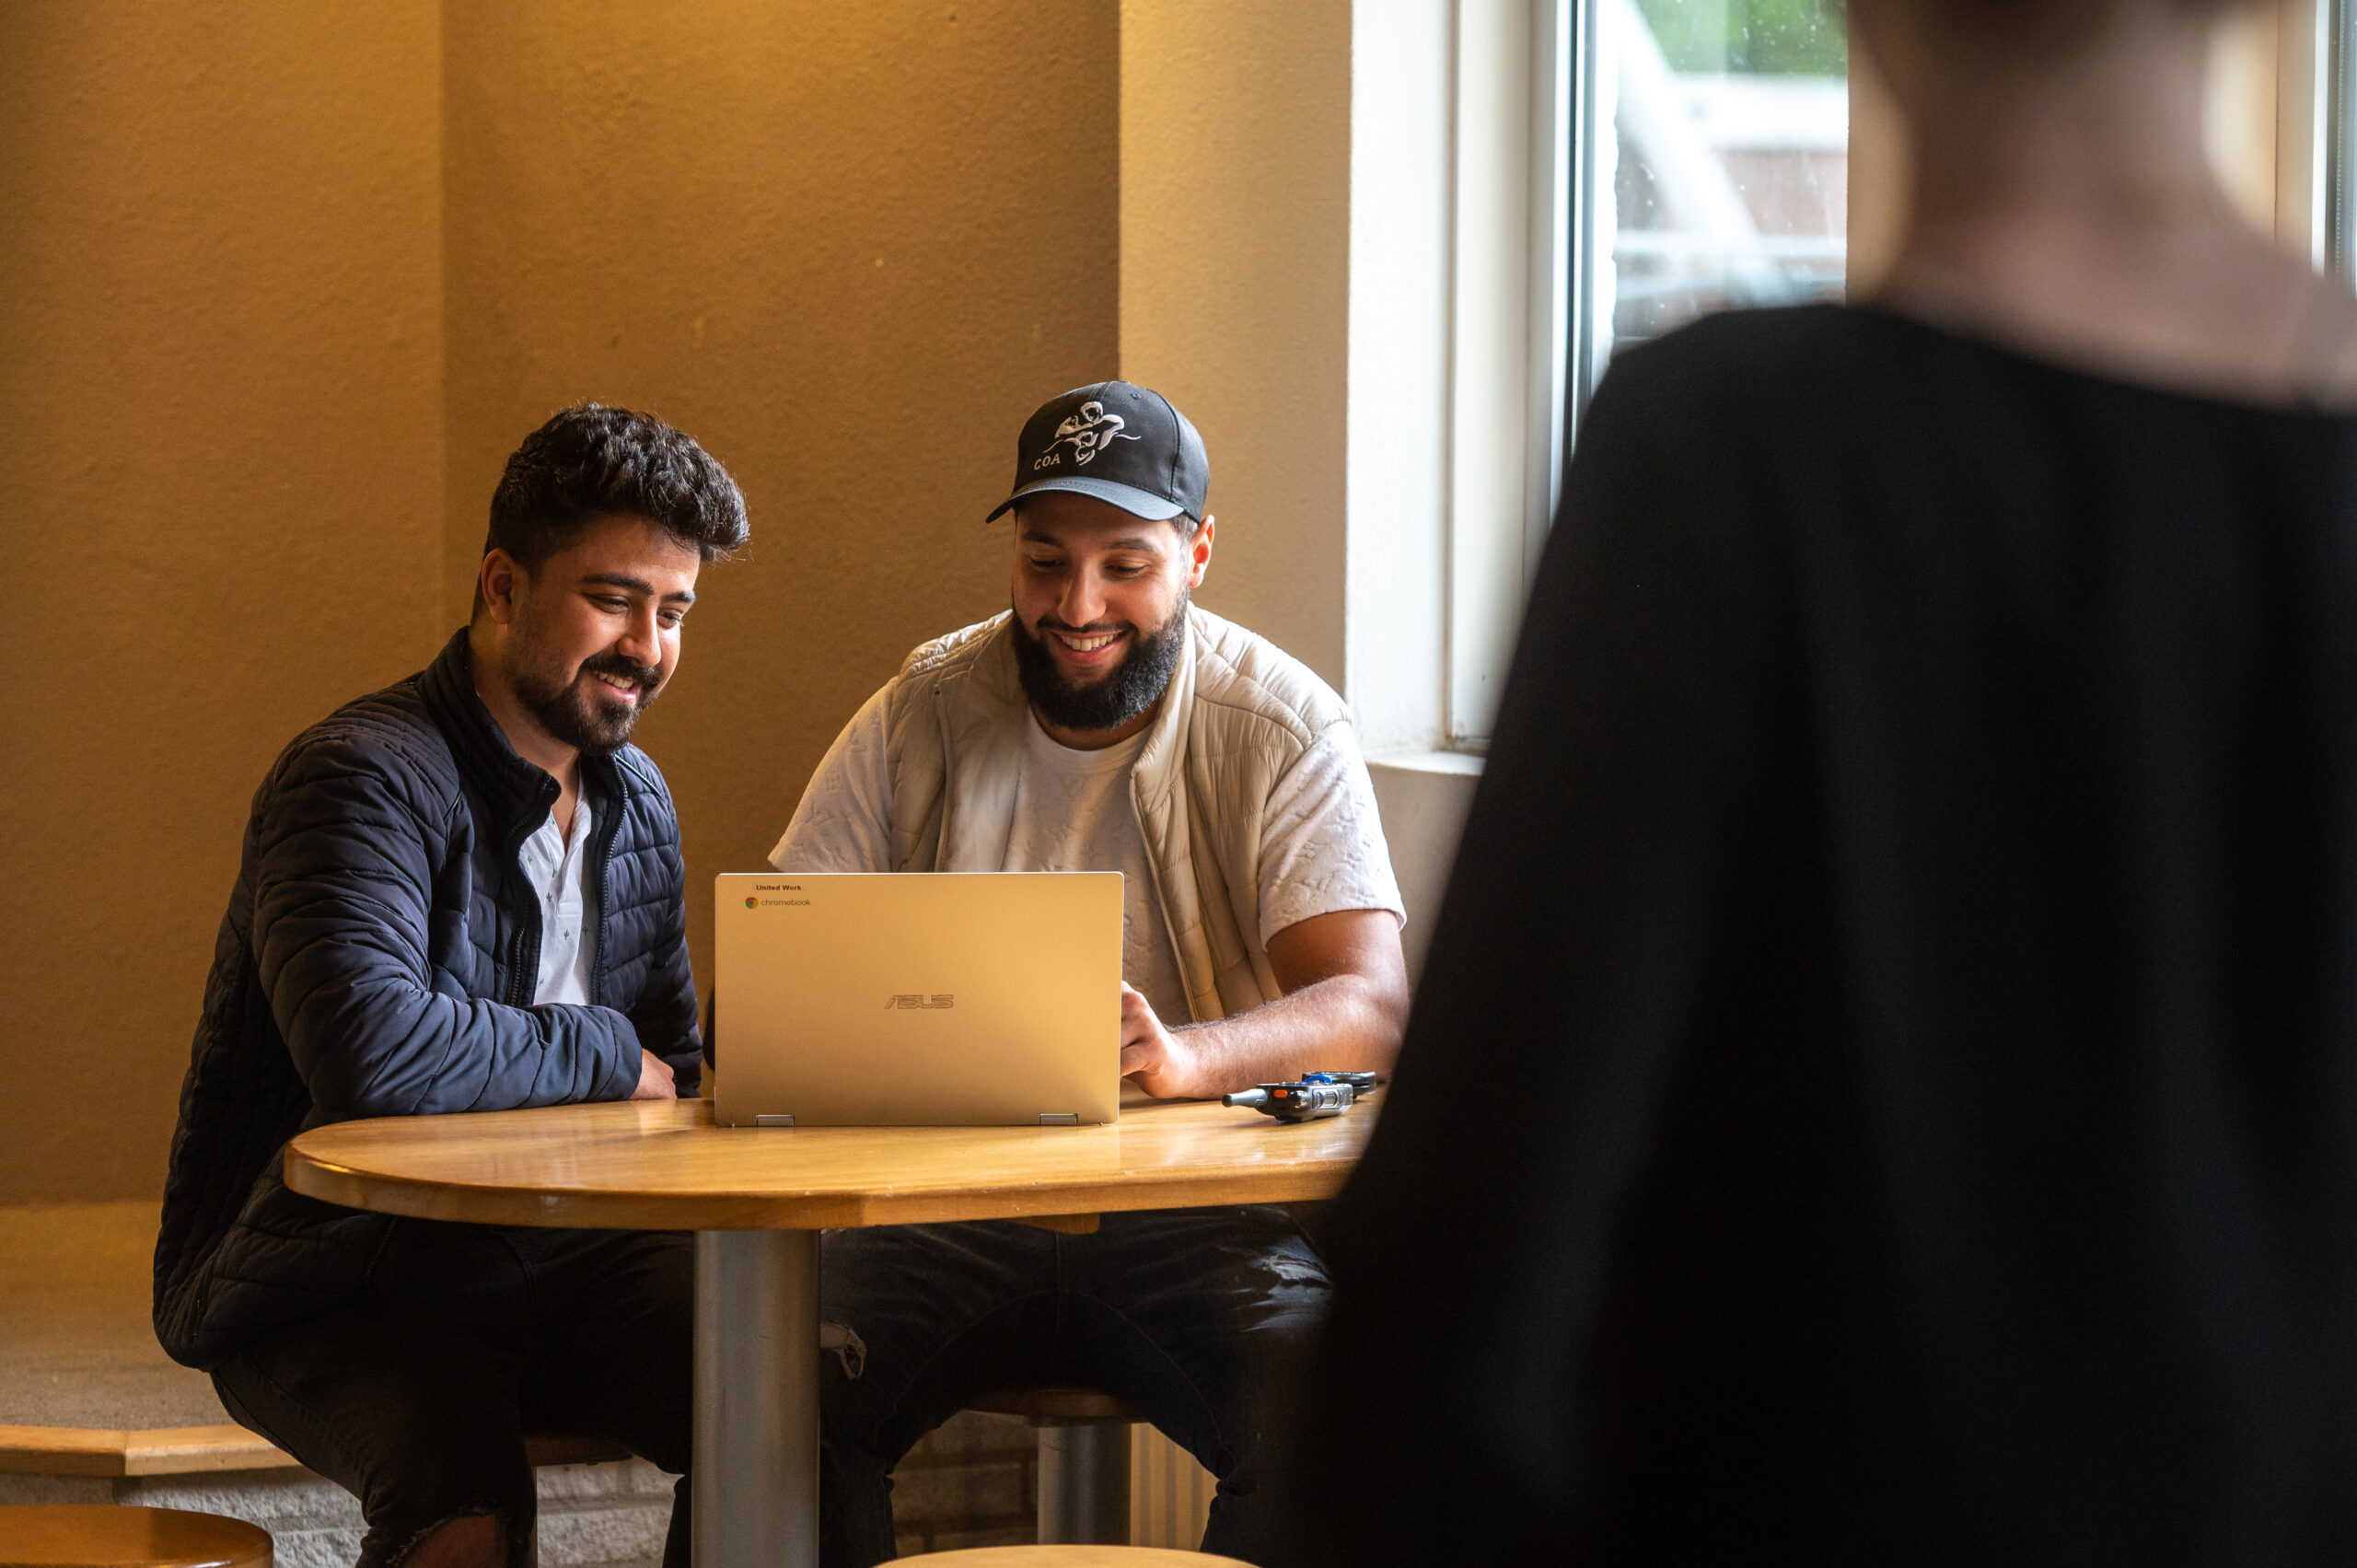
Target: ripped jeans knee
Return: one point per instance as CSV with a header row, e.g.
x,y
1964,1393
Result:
x,y
431,1547
849,1348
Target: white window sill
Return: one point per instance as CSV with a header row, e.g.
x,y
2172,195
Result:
x,y
1424,797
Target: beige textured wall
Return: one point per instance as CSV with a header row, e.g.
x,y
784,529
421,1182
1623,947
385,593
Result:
x,y
220,368
271,269
848,249
1234,195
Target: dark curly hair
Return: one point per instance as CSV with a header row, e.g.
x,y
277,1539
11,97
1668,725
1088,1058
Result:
x,y
590,461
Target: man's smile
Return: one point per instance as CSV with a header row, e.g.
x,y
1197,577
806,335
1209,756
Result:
x,y
610,677
1088,647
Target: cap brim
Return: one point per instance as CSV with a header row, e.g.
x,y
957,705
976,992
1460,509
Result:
x,y
1129,498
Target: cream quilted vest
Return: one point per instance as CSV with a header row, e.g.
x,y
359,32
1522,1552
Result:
x,y
1237,715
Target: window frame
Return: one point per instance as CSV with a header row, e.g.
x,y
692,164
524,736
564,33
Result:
x,y
1533,123
2333,83
1521,195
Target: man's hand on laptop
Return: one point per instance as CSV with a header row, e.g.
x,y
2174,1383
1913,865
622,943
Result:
x,y
1158,1060
654,1078
1343,1005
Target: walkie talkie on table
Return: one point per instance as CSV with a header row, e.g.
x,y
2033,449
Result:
x,y
1312,1096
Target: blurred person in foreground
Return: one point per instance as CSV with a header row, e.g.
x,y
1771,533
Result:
x,y
463,892
1906,941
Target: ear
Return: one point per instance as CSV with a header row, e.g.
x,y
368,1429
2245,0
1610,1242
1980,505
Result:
x,y
497,583
1199,552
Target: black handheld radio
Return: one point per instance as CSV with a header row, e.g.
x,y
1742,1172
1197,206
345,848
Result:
x,y
1315,1095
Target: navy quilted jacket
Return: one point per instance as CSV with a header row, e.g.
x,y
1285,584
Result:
x,y
378,958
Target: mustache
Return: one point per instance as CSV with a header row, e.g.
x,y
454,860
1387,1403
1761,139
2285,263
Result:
x,y
645,677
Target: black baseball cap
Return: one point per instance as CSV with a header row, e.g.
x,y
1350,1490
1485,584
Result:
x,y
1119,443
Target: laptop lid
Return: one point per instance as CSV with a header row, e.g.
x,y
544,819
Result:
x,y
920,999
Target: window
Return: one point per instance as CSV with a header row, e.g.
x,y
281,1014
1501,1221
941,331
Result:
x,y
1622,167
2331,79
1731,152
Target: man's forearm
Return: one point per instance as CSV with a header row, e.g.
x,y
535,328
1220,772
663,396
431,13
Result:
x,y
1346,1024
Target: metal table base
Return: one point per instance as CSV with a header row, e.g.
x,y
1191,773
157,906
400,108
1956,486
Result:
x,y
757,1398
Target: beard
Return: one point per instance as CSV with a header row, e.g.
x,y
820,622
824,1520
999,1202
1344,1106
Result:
x,y
579,712
1112,699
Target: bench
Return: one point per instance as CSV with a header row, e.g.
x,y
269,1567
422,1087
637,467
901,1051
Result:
x,y
92,1412
594,1510
197,1450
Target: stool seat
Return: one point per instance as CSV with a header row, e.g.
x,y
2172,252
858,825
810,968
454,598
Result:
x,y
1071,1557
1047,1404
1083,1459
107,1535
557,1446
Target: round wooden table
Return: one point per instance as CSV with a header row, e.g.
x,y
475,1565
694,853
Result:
x,y
757,1197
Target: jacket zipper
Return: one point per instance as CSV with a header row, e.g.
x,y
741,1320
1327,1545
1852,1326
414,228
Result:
x,y
523,947
611,833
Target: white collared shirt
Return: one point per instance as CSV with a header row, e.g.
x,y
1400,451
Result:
x,y
554,865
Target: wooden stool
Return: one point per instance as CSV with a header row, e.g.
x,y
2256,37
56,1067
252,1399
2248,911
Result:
x,y
563,1447
1083,1462
107,1535
1072,1557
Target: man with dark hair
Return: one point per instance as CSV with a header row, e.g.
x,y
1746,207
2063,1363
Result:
x,y
1104,723
463,892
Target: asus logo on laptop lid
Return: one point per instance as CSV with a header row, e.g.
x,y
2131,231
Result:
x,y
912,1000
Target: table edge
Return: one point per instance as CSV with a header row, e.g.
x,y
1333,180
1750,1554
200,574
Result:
x,y
380,1193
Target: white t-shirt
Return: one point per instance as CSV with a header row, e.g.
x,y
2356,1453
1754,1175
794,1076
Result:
x,y
1322,849
554,865
1073,813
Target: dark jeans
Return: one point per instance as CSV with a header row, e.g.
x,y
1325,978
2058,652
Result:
x,y
1192,1315
417,1403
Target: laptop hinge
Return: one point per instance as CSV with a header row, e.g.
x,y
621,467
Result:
x,y
773,1122
1060,1119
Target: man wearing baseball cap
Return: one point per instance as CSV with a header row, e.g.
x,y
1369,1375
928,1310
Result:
x,y
1105,724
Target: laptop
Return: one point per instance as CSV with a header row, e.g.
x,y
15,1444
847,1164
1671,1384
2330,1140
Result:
x,y
931,999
